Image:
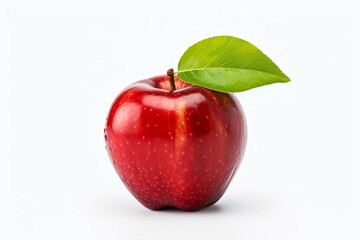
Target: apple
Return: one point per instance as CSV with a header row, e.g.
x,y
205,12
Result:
x,y
174,144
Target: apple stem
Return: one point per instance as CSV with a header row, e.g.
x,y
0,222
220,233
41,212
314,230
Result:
x,y
170,74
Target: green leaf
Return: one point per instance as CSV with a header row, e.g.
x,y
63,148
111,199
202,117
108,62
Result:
x,y
228,64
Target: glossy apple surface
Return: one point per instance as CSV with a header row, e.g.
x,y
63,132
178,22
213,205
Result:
x,y
175,149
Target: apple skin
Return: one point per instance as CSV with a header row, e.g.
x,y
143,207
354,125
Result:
x,y
175,149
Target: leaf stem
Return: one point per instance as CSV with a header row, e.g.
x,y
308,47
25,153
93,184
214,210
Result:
x,y
170,74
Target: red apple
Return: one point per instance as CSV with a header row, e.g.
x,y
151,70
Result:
x,y
175,148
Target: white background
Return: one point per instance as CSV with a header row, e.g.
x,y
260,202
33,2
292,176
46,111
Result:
x,y
63,62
